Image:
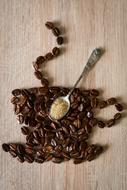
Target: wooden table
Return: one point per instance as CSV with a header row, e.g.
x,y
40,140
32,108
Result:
x,y
85,24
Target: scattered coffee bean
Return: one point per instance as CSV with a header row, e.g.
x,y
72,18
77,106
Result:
x,y
117,116
111,101
110,123
20,149
20,158
20,119
13,153
16,92
44,82
102,104
25,130
119,107
60,40
101,124
48,56
39,159
94,92
13,146
28,158
56,51
5,147
49,25
56,31
38,75
57,160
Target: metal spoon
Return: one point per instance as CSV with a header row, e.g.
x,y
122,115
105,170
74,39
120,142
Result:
x,y
94,57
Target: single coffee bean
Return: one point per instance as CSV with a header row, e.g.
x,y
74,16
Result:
x,y
57,160
119,107
20,158
77,123
111,101
36,66
102,104
38,75
77,161
117,116
94,102
56,31
15,100
93,122
56,51
20,119
48,56
39,159
94,92
40,60
16,92
80,107
29,150
17,109
13,146
20,149
43,90
101,124
90,157
59,40
110,123
13,153
5,147
28,158
49,25
44,82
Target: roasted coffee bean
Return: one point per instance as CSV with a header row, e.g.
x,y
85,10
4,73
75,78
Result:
x,y
28,158
90,157
117,116
36,66
94,92
102,104
60,40
44,82
20,119
20,149
119,107
40,60
77,123
53,143
49,25
101,124
5,147
82,115
80,107
98,150
110,123
17,109
13,153
48,56
20,158
15,100
77,161
93,122
16,92
111,101
26,120
43,90
38,75
56,51
57,160
39,159
13,146
83,146
56,31
94,102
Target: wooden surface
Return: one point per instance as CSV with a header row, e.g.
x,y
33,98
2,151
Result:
x,y
86,24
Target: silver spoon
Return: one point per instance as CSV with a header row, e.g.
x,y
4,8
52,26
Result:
x,y
61,105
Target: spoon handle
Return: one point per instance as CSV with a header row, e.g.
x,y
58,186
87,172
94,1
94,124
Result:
x,y
94,57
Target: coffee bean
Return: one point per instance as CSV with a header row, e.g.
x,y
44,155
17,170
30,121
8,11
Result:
x,y
5,147
110,123
49,25
38,75
111,101
102,104
56,51
17,109
15,100
48,56
119,107
93,122
43,90
80,107
16,92
77,161
56,31
94,102
28,158
40,60
20,149
77,123
101,124
59,40
94,92
13,153
20,119
20,158
117,116
57,160
36,66
13,146
29,150
39,159
44,82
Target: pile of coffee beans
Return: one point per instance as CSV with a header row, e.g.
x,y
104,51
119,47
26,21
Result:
x,y
61,140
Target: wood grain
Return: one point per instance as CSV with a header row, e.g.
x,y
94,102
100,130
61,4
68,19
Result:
x,y
86,24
